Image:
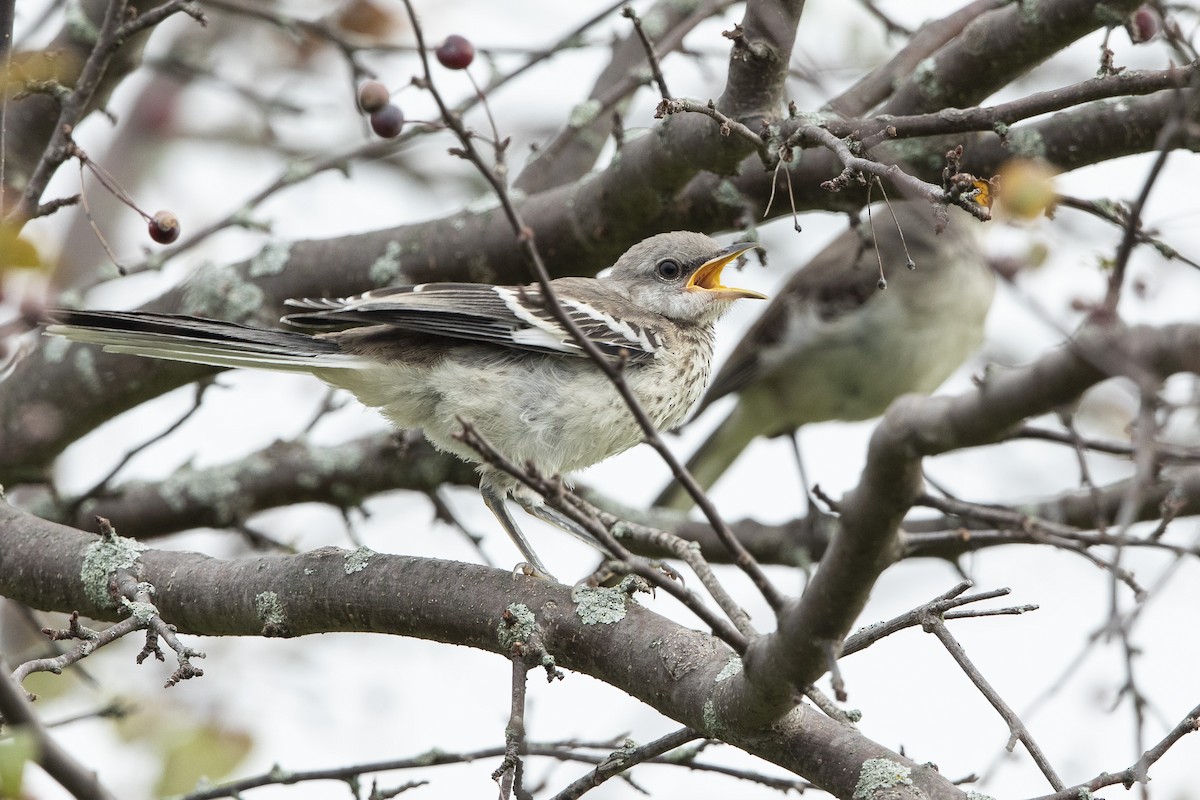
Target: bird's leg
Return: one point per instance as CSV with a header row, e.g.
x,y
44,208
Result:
x,y
804,484
493,498
559,520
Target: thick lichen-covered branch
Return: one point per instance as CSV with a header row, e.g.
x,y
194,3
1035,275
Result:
x,y
673,669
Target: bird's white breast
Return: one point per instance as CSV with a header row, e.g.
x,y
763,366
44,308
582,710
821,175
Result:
x,y
558,412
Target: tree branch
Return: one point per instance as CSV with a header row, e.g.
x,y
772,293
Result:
x,y
996,48
671,668
869,540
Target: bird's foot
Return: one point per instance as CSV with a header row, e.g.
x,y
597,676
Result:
x,y
531,571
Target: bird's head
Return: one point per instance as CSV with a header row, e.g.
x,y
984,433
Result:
x,y
678,275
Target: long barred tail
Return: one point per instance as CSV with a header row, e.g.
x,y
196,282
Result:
x,y
176,337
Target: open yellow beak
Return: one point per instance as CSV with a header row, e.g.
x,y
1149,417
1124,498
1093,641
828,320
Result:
x,y
708,276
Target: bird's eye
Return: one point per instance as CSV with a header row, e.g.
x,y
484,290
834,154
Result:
x,y
668,269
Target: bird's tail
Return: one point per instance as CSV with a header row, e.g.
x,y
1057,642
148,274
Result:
x,y
709,462
176,337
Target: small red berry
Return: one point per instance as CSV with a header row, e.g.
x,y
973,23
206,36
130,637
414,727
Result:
x,y
372,96
164,227
387,121
1144,24
456,52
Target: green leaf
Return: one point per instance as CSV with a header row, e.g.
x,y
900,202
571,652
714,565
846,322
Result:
x,y
15,751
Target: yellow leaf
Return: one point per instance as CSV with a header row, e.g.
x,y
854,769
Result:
x,y
16,251
206,751
1025,187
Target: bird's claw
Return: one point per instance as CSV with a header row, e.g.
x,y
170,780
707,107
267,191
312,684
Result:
x,y
530,571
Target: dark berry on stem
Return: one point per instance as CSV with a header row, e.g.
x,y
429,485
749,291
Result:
x,y
387,121
372,96
1144,24
456,52
164,227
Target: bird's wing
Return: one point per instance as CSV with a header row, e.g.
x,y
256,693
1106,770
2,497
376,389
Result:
x,y
515,317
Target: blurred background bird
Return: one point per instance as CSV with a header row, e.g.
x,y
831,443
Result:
x,y
834,345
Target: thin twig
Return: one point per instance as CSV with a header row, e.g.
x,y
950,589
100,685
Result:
x,y
89,642
87,213
647,45
1166,140
940,605
1136,771
889,24
292,175
154,16
934,624
728,124
137,599
1118,214
98,487
561,751
1166,452
855,166
1145,466
1085,473
77,779
333,400
828,706
1062,536
511,769
624,759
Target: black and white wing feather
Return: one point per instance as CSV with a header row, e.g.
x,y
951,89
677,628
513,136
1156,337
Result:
x,y
516,317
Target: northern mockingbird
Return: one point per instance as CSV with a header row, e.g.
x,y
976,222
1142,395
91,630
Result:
x,y
834,345
436,354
